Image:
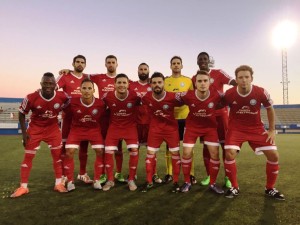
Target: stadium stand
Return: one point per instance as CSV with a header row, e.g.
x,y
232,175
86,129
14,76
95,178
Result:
x,y
287,118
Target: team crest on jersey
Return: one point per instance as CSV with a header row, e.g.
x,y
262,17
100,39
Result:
x,y
165,107
56,105
149,89
95,111
129,105
210,105
211,80
253,102
182,84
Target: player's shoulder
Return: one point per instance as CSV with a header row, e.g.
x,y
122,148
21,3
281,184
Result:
x,y
186,78
33,95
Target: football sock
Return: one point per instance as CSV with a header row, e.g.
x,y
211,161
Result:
x,y
186,168
272,169
214,166
133,162
98,167
149,167
231,172
57,162
69,168
119,157
109,165
176,167
27,165
83,156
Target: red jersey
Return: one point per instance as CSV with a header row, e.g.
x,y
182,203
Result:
x,y
86,116
218,78
245,109
104,83
70,84
202,112
141,89
122,111
44,111
162,111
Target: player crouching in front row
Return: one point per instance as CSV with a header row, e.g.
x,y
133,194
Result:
x,y
86,112
45,105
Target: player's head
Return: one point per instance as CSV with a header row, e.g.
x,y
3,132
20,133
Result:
x,y
244,76
202,81
87,88
79,63
121,83
157,82
203,61
176,64
111,63
48,85
143,71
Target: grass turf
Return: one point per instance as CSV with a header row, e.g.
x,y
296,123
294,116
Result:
x,y
159,206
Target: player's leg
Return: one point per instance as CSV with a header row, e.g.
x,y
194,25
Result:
x,y
98,165
32,145
133,163
259,144
222,121
206,160
186,162
231,171
214,166
83,157
119,162
69,165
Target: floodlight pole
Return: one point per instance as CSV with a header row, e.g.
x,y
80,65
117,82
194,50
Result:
x,y
285,80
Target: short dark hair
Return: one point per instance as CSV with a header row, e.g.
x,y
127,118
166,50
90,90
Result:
x,y
111,57
85,80
157,74
243,68
175,57
203,53
79,57
121,75
144,64
202,72
48,74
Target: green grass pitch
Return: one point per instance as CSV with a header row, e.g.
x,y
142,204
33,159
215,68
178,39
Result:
x,y
159,206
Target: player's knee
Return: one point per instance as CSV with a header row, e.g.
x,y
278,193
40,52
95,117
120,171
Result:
x,y
230,154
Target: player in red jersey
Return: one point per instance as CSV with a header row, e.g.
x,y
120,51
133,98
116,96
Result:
x,y
142,87
70,83
122,105
106,83
201,122
86,112
163,127
218,78
245,124
45,105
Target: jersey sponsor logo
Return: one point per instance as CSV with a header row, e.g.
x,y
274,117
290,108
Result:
x,y
49,114
87,118
56,105
175,89
160,113
95,111
210,105
246,110
129,105
253,102
211,80
165,107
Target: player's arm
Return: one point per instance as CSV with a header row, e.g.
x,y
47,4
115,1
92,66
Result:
x,y
25,136
271,119
64,71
